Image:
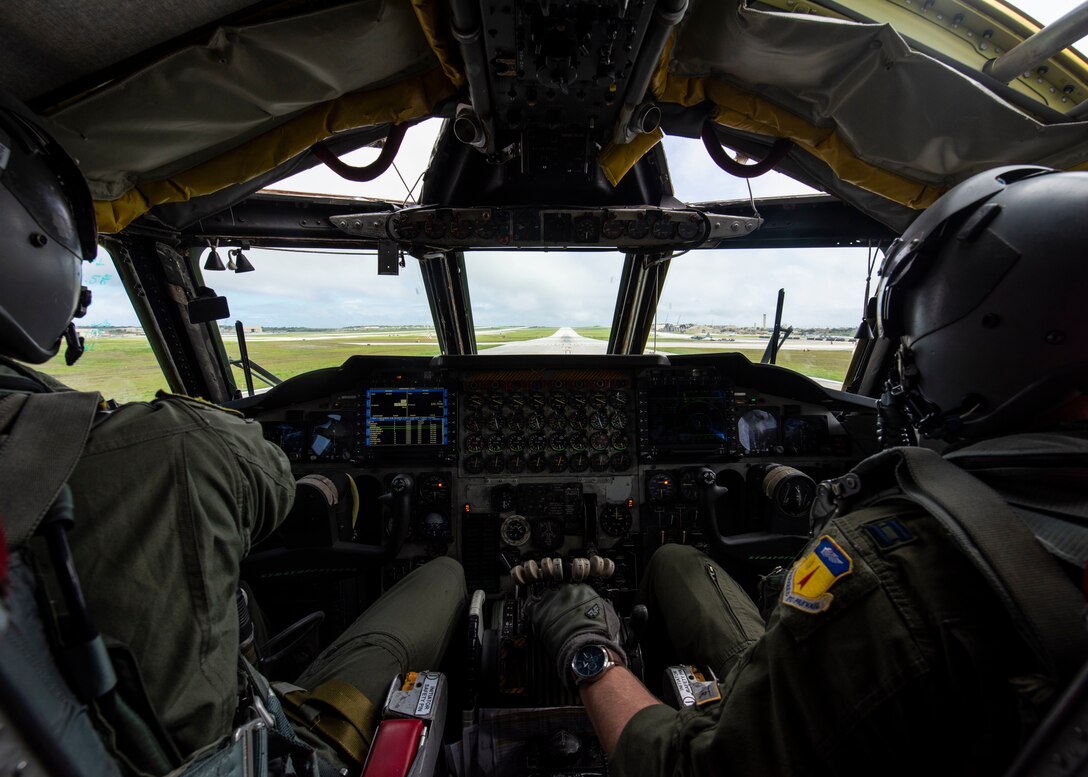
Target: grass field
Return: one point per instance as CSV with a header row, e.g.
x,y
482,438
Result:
x,y
125,368
830,365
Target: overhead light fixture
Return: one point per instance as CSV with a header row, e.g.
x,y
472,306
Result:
x,y
240,261
213,260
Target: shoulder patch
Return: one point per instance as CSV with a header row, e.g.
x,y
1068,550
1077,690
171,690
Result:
x,y
160,394
808,584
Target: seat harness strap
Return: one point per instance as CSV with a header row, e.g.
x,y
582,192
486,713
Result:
x,y
1046,608
336,709
39,454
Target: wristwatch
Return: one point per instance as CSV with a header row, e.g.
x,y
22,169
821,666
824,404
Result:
x,y
589,663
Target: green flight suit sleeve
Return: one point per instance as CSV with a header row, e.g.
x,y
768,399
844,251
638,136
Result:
x,y
267,485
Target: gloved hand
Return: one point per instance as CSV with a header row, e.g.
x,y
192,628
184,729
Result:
x,y
566,618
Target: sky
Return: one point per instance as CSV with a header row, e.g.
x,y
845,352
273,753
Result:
x,y
823,288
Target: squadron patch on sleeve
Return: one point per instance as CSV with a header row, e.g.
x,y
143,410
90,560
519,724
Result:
x,y
808,583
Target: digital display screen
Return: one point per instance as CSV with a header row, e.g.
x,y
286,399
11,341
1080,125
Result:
x,y
331,436
407,416
690,417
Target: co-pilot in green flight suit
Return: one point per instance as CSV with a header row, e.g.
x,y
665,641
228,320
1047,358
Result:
x,y
170,495
895,657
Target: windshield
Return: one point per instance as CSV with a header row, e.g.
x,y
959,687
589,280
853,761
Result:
x,y
558,301
549,302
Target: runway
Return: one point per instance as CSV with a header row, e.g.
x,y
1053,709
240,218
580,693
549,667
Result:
x,y
566,341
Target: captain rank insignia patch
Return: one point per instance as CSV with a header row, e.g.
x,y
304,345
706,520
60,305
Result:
x,y
808,583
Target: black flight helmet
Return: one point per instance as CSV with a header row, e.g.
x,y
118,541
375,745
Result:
x,y
984,294
47,228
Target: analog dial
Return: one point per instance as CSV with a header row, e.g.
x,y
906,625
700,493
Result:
x,y
515,530
615,520
536,462
660,487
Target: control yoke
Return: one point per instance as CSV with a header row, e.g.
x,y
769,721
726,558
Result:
x,y
738,547
400,503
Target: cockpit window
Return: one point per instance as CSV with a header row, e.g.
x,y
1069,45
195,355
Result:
x,y
556,302
726,300
302,310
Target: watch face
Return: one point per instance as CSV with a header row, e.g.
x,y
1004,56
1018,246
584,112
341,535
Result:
x,y
589,661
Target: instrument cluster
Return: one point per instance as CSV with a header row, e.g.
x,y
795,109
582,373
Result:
x,y
539,461
568,422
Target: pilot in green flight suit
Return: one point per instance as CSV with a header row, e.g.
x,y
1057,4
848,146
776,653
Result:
x,y
887,651
171,494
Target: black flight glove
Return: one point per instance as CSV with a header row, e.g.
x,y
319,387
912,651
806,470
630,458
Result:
x,y
569,617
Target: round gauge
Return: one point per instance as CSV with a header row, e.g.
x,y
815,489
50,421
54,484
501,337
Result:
x,y
434,526
576,419
757,431
558,442
433,489
435,229
514,423
473,464
535,442
536,462
547,533
495,443
555,421
471,423
485,230
599,441
461,230
474,443
578,442
515,442
495,464
689,486
663,229
516,401
474,401
493,423
515,530
621,460
558,462
612,229
615,519
599,461
496,401
690,228
579,462
559,401
660,487
598,420
578,400
538,400
637,229
618,441
618,399
515,463
598,400
534,422
618,421
585,230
